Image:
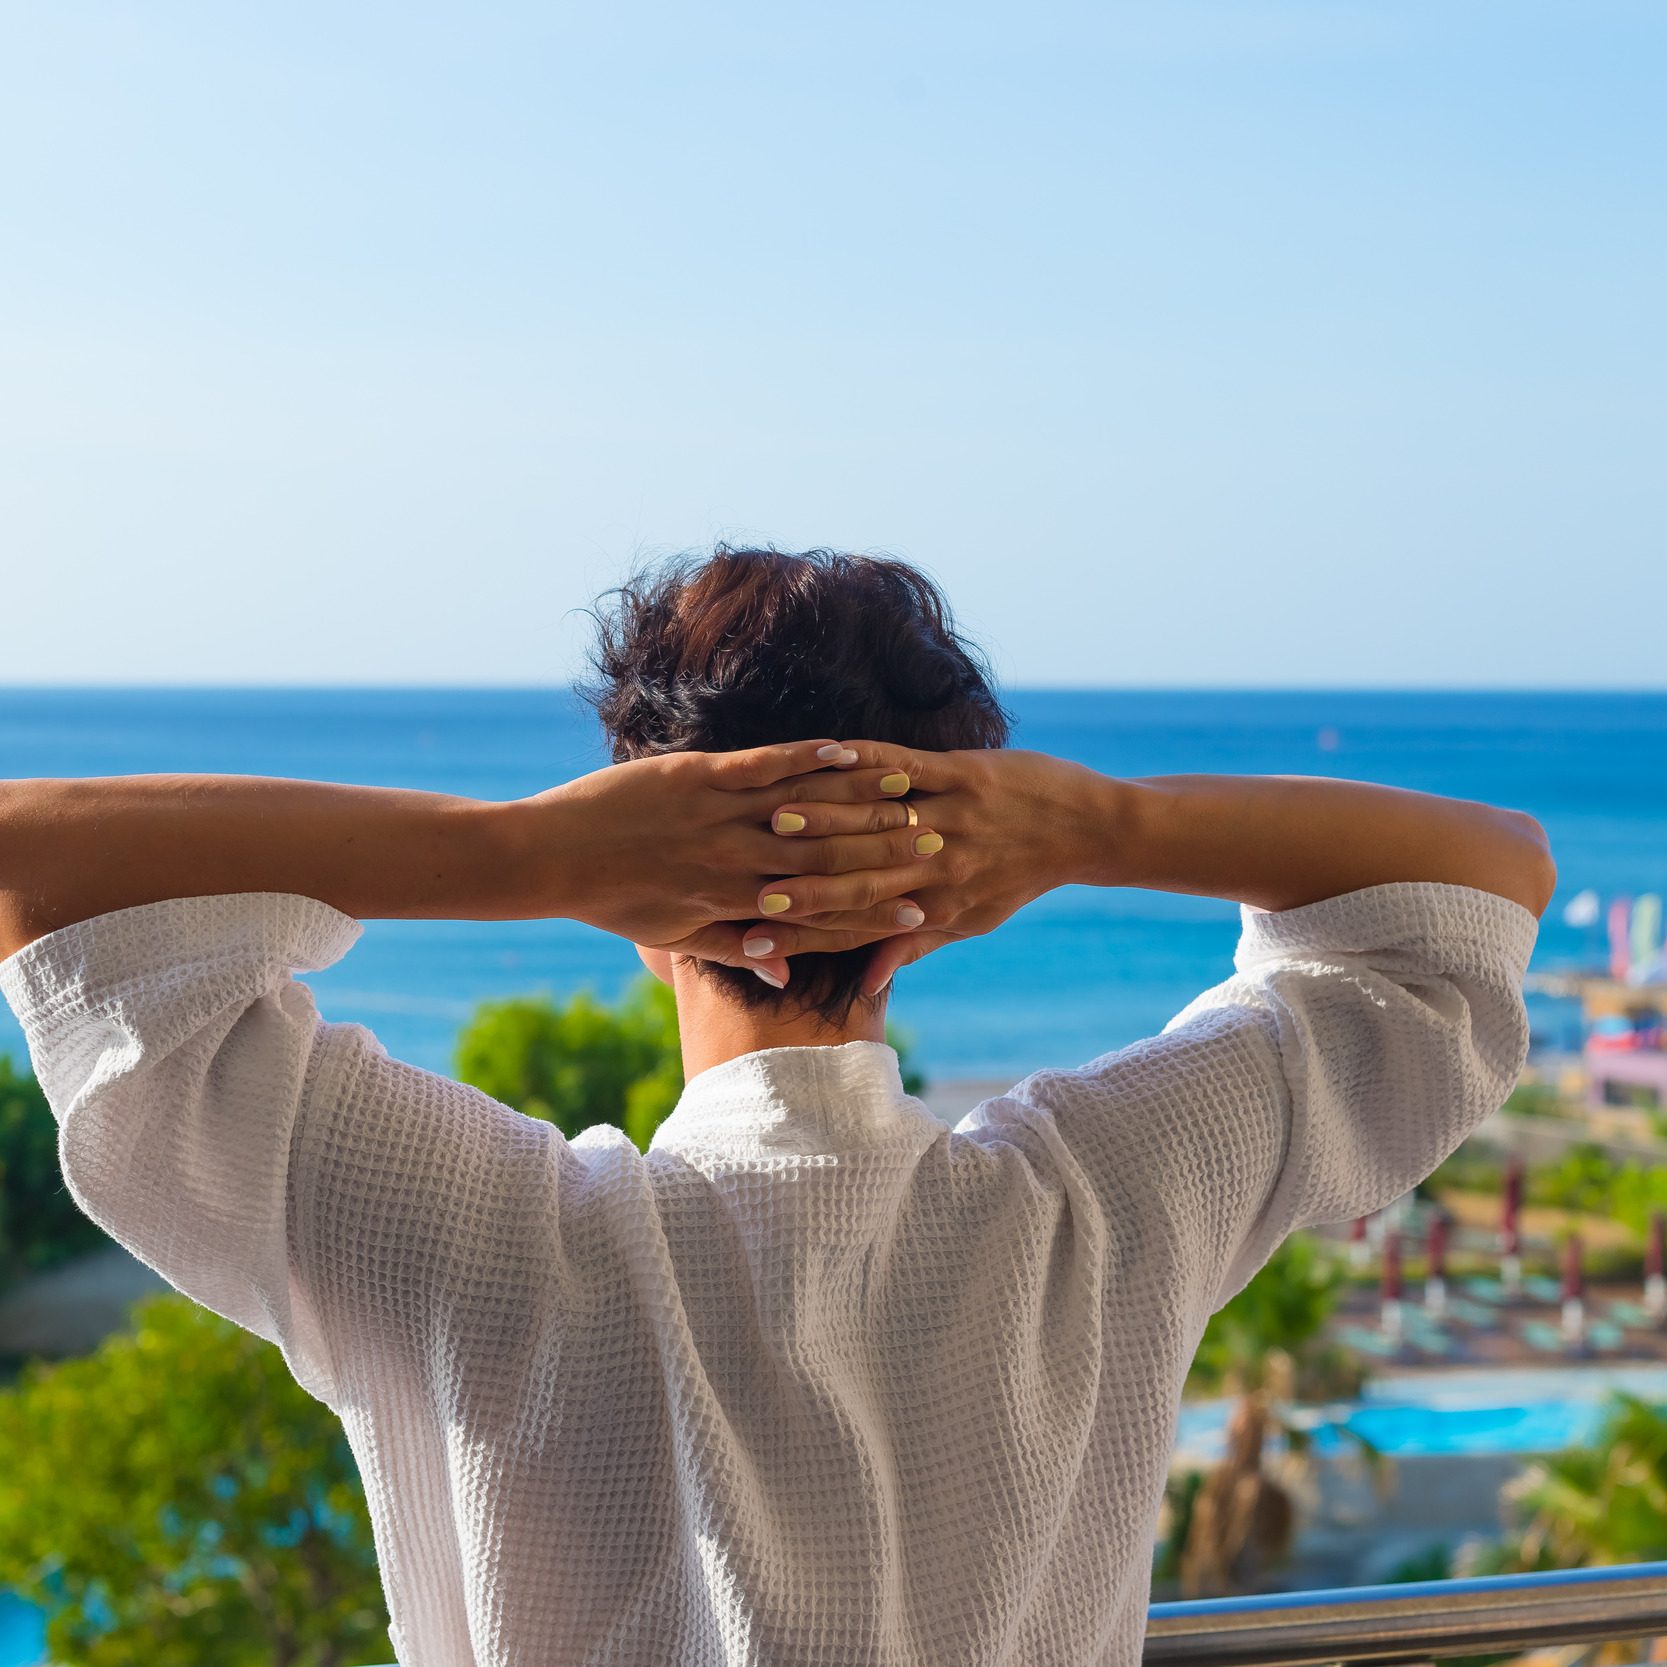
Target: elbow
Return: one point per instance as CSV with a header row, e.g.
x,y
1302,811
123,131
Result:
x,y
17,929
1542,868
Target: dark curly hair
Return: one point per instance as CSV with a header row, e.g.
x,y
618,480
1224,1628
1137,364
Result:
x,y
743,647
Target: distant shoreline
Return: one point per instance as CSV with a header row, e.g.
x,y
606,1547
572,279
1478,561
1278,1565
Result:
x,y
950,1098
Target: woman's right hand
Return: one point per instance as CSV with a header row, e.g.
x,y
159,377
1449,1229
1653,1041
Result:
x,y
1014,825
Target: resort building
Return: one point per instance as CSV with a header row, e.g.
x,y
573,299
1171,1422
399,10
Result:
x,y
1623,1056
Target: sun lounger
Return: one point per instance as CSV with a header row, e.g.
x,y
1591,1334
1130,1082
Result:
x,y
1542,1289
1431,1339
1600,1338
1367,1341
1490,1291
1602,1335
1477,1315
1422,1337
1632,1315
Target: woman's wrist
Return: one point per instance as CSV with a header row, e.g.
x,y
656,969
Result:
x,y
527,857
1094,822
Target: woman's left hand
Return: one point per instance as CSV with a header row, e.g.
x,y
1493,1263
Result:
x,y
674,851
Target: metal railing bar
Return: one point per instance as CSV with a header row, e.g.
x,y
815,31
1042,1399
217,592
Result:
x,y
1419,1621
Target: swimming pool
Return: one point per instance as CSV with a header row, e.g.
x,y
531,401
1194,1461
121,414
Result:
x,y
22,1633
1533,1410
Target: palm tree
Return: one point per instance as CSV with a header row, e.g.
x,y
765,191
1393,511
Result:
x,y
1267,1347
1241,1520
1597,1504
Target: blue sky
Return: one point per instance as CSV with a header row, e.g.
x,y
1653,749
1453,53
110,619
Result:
x,y
1232,344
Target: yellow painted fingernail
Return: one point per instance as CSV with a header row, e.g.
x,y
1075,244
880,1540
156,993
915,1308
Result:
x,y
927,843
896,782
775,901
788,821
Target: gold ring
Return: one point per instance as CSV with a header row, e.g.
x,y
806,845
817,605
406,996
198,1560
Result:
x,y
914,816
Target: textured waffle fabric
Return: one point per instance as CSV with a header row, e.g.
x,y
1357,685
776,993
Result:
x,y
816,1381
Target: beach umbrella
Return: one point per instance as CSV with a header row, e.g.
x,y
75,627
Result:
x,y
1511,1235
1435,1251
1574,1292
1435,1242
1574,1275
1391,1309
1655,1266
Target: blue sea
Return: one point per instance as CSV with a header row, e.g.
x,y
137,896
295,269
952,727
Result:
x,y
1073,975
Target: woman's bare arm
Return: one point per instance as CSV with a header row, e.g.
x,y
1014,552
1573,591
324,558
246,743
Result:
x,y
1277,842
663,851
78,847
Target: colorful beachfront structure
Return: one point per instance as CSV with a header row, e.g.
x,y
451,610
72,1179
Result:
x,y
1623,1056
1622,1063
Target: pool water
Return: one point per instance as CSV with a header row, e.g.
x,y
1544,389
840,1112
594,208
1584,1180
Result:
x,y
1538,1427
22,1633
1530,1411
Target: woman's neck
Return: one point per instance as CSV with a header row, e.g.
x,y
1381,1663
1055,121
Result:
x,y
715,1028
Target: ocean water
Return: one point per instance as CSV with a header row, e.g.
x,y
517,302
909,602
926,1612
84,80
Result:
x,y
1071,976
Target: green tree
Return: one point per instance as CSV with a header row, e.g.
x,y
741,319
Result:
x,y
40,1224
1601,1503
1267,1346
1474,1167
1582,1179
1586,1178
1276,1327
579,1063
1539,1099
177,1486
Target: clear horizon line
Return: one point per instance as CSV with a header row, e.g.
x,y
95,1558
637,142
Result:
x,y
208,687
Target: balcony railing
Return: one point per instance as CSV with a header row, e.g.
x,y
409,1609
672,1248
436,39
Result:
x,y
1421,1621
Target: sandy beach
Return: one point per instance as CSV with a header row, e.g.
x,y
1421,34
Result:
x,y
951,1099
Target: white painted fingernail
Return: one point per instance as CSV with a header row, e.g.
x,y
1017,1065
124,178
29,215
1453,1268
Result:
x,y
832,750
846,757
909,915
757,946
770,978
